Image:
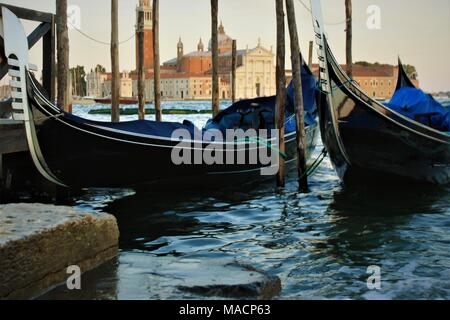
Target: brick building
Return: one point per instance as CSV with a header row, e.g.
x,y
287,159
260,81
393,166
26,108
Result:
x,y
377,80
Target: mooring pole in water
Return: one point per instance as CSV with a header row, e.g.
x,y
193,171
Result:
x,y
72,77
281,91
48,60
215,56
69,93
233,71
62,54
79,88
310,57
156,68
349,35
296,61
115,83
140,66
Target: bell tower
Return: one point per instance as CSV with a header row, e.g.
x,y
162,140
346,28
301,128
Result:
x,y
145,7
180,53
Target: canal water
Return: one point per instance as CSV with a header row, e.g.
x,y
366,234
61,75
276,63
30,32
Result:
x,y
319,244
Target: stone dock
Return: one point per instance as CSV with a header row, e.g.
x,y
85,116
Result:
x,y
39,242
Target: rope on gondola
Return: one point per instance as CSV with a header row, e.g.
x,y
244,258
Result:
x,y
309,170
316,164
310,11
266,144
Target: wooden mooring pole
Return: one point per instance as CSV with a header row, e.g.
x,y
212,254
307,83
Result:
x,y
349,35
62,54
156,68
215,56
296,60
281,91
310,57
115,83
48,60
140,66
233,71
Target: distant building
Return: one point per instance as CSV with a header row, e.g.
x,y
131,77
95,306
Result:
x,y
125,88
95,81
255,72
99,84
378,81
189,76
182,86
225,42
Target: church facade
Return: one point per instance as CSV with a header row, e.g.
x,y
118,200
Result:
x,y
255,73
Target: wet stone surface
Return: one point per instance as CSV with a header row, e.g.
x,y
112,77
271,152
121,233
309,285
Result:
x,y
148,277
38,242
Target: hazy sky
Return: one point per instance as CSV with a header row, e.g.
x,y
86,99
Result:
x,y
417,30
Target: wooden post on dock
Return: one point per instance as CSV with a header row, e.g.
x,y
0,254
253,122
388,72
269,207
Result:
x,y
298,96
281,90
140,65
62,53
233,71
215,56
48,60
156,68
349,35
310,57
115,83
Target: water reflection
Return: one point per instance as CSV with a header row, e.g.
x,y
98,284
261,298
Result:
x,y
320,243
399,230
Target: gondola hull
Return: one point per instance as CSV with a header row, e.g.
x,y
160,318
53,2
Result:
x,y
377,149
370,144
83,155
74,152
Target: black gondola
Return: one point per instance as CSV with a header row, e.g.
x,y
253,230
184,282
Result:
x,y
76,152
368,142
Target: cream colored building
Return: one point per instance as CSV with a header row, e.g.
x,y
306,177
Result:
x,y
255,77
95,83
183,87
126,86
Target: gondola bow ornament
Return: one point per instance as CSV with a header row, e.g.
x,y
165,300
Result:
x,y
16,51
373,143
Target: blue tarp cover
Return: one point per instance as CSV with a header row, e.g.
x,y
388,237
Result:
x,y
147,127
232,118
416,104
309,85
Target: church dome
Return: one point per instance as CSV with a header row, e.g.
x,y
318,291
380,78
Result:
x,y
225,42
